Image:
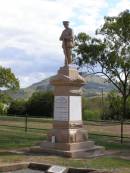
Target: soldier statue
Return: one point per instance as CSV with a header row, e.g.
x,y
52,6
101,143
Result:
x,y
67,39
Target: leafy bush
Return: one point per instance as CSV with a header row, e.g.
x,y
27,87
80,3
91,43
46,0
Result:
x,y
3,108
17,107
40,104
91,108
91,115
113,107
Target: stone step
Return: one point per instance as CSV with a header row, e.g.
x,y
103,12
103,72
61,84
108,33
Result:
x,y
68,146
81,153
92,152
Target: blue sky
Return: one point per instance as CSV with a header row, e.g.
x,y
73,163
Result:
x,y
30,30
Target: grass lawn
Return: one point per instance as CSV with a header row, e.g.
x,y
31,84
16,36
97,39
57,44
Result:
x,y
17,137
14,138
105,163
110,143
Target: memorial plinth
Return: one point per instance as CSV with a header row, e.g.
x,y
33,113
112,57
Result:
x,y
68,136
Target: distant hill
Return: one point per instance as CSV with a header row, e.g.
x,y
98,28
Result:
x,y
93,87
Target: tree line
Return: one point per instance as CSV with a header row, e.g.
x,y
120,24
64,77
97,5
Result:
x,y
40,104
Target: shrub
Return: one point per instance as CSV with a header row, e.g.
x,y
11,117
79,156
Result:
x,y
17,107
3,108
91,115
40,104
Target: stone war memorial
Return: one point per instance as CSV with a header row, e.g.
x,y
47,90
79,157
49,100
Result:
x,y
68,137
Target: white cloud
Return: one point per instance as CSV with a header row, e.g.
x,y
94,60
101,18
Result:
x,y
32,78
37,23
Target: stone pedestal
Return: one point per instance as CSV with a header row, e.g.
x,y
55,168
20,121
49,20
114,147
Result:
x,y
68,136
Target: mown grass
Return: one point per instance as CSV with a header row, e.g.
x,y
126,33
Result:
x,y
17,137
14,137
110,142
22,119
107,163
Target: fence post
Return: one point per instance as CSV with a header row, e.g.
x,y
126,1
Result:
x,y
122,131
26,122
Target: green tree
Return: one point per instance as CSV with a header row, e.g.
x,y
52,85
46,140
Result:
x,y
17,107
3,108
8,79
4,98
113,106
91,108
40,104
109,55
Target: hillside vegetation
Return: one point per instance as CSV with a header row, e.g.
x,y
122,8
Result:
x,y
92,87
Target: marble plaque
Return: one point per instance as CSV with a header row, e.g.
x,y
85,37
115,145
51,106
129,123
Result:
x,y
57,169
61,108
75,108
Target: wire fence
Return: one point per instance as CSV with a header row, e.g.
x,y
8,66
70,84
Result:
x,y
115,129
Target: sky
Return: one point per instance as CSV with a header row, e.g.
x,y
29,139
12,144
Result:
x,y
30,31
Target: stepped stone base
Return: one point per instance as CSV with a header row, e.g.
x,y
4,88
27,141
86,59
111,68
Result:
x,y
74,150
68,137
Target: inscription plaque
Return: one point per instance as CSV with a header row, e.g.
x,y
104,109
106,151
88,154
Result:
x,y
61,108
75,112
57,169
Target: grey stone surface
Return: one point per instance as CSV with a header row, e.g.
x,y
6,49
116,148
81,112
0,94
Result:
x,y
26,171
57,169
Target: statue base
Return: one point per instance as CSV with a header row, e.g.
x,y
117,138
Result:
x,y
73,150
68,136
